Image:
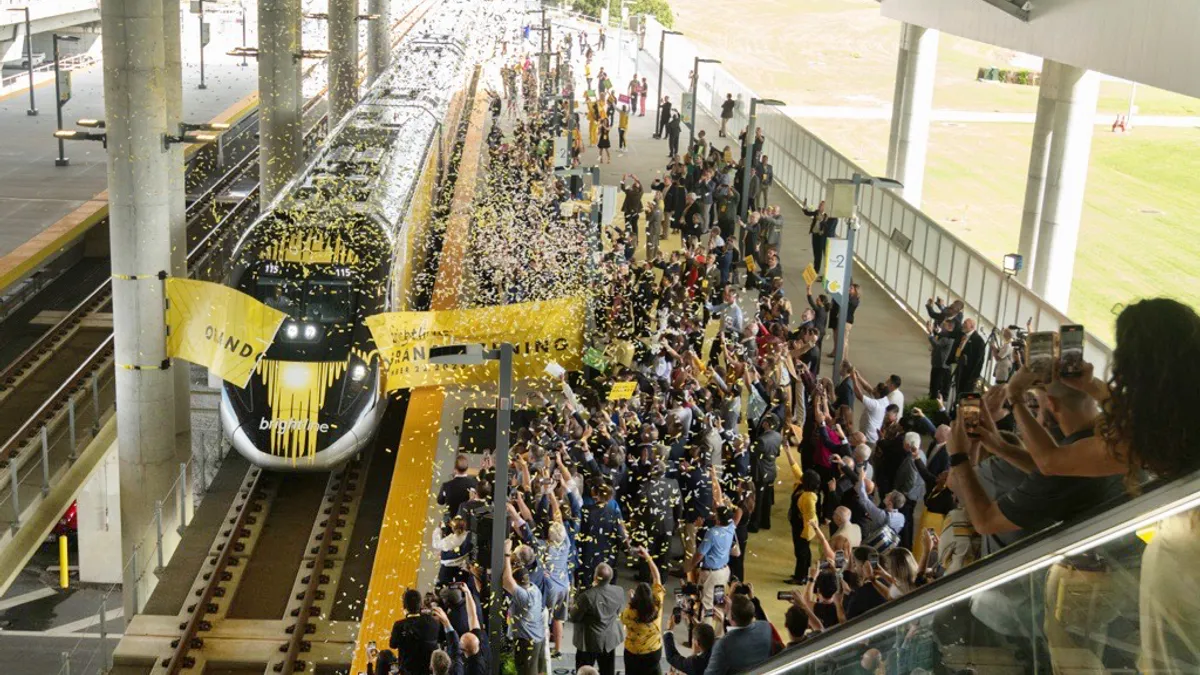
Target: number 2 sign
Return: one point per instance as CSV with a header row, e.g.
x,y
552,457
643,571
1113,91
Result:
x,y
837,256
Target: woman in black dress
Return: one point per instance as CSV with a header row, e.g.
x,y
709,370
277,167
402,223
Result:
x,y
604,143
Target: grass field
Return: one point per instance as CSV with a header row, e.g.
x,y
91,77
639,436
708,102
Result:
x,y
1140,233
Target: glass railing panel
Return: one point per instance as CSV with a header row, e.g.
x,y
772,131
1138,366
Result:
x,y
1117,593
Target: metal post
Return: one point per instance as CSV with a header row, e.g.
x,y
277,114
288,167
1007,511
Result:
x,y
96,402
500,498
662,43
695,90
66,663
620,34
748,160
33,111
71,428
1132,96
159,534
136,579
16,495
243,34
201,4
62,159
182,497
839,349
105,666
45,461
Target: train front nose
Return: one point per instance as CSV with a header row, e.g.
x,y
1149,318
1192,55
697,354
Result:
x,y
301,416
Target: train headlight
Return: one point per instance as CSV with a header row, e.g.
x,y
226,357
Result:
x,y
310,331
291,331
358,372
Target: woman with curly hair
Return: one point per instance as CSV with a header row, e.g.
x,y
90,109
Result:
x,y
1149,425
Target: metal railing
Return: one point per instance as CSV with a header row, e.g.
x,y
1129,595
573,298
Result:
x,y
912,256
74,62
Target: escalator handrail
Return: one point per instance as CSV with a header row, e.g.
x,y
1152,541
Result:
x,y
1036,551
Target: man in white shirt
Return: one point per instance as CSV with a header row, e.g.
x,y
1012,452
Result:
x,y
894,395
875,403
846,529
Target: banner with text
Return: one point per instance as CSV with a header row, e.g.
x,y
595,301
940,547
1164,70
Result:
x,y
219,327
540,332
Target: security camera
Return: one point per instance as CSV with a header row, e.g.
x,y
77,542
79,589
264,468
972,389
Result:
x,y
1028,7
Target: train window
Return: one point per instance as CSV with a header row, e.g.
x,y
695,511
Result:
x,y
279,294
328,301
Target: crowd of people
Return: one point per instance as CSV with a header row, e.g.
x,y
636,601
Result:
x,y
670,480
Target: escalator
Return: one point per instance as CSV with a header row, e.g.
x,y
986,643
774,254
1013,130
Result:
x,y
1117,591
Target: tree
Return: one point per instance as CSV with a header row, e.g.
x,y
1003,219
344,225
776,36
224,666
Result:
x,y
659,9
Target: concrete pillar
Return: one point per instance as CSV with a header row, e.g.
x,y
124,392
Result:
x,y
916,105
1039,157
280,131
1066,180
176,189
379,39
138,206
902,56
343,58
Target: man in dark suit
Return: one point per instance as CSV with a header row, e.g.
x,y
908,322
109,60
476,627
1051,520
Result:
x,y
664,116
596,615
970,355
414,637
942,341
745,645
764,453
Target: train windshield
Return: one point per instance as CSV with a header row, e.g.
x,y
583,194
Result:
x,y
315,300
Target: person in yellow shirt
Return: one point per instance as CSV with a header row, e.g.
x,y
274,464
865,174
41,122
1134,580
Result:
x,y
622,125
802,513
643,623
593,108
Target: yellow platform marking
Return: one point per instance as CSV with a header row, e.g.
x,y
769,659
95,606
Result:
x,y
402,536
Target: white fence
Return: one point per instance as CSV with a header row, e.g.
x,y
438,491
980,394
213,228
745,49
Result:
x,y
909,253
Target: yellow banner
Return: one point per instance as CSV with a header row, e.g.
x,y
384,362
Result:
x,y
540,332
218,327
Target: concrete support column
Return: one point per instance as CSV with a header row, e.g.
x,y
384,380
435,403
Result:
x,y
176,189
138,189
280,154
1066,180
1039,158
343,58
915,94
379,39
902,56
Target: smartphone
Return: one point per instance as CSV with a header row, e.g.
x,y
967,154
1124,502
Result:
x,y
824,565
783,595
677,613
679,594
718,595
873,558
929,530
1043,352
708,613
970,407
839,560
1070,350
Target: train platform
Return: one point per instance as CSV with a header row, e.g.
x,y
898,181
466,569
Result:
x,y
43,206
885,340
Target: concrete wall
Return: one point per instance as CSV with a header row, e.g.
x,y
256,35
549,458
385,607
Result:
x,y
1150,42
98,506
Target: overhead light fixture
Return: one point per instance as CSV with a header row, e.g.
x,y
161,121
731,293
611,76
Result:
x,y
203,126
94,124
72,135
250,52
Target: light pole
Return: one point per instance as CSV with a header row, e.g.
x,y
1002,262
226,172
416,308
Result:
x,y
695,90
662,43
62,159
33,111
748,153
858,180
243,32
202,43
473,355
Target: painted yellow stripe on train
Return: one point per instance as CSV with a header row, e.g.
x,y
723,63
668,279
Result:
x,y
402,536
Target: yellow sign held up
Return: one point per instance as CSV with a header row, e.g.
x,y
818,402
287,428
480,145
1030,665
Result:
x,y
540,332
219,327
810,275
622,391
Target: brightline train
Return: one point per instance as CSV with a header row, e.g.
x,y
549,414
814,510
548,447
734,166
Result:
x,y
331,250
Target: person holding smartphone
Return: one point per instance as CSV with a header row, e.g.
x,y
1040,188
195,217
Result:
x,y
643,622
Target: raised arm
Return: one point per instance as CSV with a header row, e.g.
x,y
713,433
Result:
x,y
1086,457
655,576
